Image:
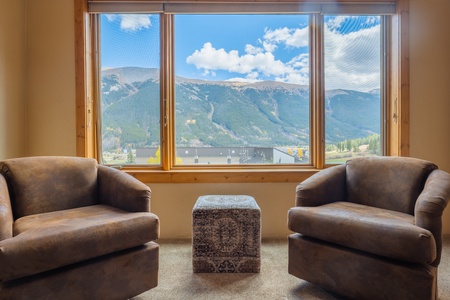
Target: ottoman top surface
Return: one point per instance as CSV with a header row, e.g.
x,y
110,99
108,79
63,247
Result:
x,y
226,202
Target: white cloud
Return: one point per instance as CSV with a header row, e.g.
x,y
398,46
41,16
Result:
x,y
300,61
269,47
336,22
352,59
252,77
210,58
131,22
296,78
291,37
250,49
258,62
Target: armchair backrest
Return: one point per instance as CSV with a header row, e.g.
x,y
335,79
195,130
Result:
x,y
392,183
49,183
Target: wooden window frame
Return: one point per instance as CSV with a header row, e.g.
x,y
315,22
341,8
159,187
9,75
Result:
x,y
395,118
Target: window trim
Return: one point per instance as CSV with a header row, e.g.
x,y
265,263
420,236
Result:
x,y
396,117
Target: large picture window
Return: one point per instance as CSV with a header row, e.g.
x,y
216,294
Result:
x,y
242,92
198,86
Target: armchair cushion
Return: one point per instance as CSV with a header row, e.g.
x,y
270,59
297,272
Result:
x,y
370,229
389,182
60,238
44,184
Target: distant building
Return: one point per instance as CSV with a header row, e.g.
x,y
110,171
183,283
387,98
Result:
x,y
224,155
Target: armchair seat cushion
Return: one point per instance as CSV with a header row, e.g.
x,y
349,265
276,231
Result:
x,y
60,238
375,230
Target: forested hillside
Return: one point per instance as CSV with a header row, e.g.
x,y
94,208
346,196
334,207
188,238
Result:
x,y
227,114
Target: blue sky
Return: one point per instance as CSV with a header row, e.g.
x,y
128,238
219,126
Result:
x,y
248,47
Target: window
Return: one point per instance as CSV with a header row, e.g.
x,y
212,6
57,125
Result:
x,y
242,92
130,88
186,88
353,83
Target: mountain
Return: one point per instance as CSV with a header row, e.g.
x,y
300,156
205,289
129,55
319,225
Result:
x,y
227,113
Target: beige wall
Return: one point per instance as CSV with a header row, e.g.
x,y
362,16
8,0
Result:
x,y
12,79
173,204
50,77
51,105
430,84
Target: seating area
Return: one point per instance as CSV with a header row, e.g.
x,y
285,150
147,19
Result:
x,y
71,228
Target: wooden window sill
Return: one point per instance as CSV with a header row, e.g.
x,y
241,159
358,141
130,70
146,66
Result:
x,y
221,175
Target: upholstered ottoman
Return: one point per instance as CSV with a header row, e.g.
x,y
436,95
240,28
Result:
x,y
226,234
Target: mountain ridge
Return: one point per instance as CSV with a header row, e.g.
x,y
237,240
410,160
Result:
x,y
210,113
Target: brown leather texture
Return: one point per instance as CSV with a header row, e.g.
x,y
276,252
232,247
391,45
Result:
x,y
358,275
369,215
387,182
117,276
43,184
6,216
375,230
56,239
326,186
123,191
430,206
75,225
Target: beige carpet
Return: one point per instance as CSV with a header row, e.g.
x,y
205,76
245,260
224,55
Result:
x,y
176,280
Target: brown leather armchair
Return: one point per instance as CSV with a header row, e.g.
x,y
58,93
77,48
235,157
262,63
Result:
x,y
73,229
371,228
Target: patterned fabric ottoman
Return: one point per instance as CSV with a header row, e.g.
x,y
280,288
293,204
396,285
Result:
x,y
226,234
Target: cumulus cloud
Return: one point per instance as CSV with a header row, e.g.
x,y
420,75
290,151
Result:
x,y
335,23
250,49
350,55
251,77
258,61
269,47
352,60
131,22
210,58
291,37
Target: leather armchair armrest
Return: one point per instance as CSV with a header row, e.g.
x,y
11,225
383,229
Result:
x,y
6,216
324,187
123,191
431,204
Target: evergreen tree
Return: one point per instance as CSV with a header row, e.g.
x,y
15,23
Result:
x,y
130,156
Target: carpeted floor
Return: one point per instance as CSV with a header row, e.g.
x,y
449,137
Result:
x,y
177,281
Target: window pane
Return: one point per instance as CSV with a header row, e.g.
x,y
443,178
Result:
x,y
242,89
352,87
130,88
